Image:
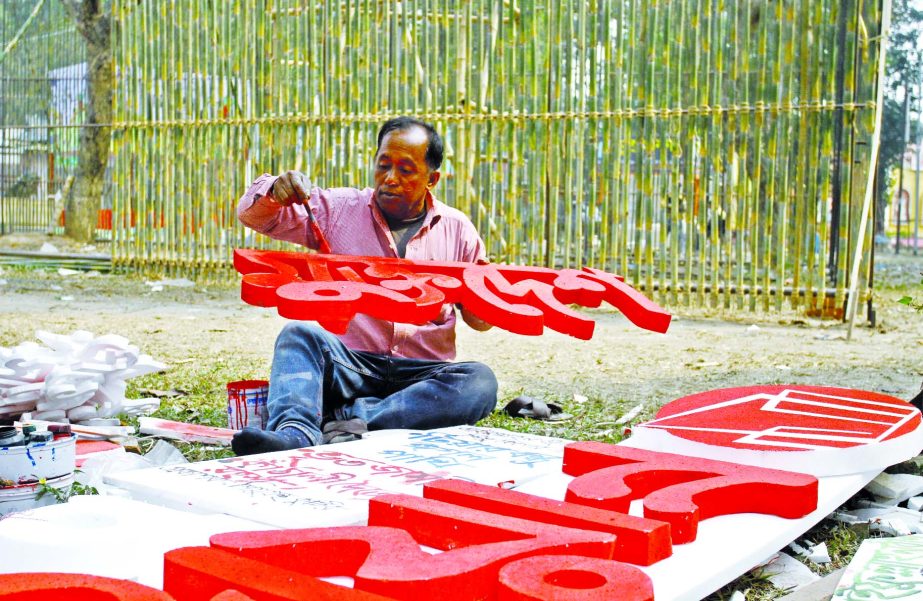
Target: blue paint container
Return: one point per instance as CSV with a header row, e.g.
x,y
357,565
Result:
x,y
23,464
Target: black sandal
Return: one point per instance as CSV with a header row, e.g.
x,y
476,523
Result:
x,y
526,406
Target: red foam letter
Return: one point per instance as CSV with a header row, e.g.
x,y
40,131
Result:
x,y
572,578
231,595
682,490
639,540
333,288
29,586
388,560
201,573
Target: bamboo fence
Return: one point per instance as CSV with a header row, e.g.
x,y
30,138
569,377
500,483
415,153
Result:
x,y
712,152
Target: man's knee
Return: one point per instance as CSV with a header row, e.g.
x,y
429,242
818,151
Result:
x,y
300,334
480,388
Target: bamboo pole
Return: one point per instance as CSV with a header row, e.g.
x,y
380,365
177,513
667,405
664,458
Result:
x,y
853,301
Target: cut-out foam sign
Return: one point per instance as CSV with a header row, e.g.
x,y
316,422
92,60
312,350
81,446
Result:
x,y
74,587
386,558
816,429
682,490
203,573
302,487
466,541
572,578
332,289
638,540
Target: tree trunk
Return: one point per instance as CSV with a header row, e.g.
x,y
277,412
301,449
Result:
x,y
83,204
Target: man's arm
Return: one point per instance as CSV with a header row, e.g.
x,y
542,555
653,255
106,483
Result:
x,y
278,207
473,321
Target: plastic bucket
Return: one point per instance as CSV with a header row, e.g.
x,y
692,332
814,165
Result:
x,y
247,404
23,496
37,460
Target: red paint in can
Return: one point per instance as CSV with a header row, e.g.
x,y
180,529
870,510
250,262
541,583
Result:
x,y
247,404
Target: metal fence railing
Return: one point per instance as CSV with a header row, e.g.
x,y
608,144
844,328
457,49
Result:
x,y
42,95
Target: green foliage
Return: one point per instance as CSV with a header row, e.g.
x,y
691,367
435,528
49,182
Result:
x,y
26,185
755,587
911,302
61,495
842,544
904,60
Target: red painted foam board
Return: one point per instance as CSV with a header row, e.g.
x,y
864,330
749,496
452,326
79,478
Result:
x,y
787,418
681,490
386,558
639,540
200,573
29,586
332,289
572,578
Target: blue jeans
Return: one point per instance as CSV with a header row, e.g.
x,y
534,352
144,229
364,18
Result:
x,y
315,378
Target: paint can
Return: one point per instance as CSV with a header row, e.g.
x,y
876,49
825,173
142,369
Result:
x,y
247,404
23,464
21,497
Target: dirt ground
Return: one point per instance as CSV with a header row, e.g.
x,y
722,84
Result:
x,y
703,349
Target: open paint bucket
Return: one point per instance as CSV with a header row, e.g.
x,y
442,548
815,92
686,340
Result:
x,y
247,404
23,464
26,496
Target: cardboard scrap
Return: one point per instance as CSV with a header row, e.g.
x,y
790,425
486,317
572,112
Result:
x,y
821,590
894,521
895,487
885,568
786,572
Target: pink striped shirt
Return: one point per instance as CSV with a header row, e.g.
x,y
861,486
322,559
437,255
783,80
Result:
x,y
353,225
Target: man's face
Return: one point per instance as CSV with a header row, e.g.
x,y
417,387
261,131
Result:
x,y
402,176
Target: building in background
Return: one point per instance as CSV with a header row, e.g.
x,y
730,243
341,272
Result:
x,y
904,210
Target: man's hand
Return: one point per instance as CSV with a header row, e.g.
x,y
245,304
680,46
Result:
x,y
292,187
473,321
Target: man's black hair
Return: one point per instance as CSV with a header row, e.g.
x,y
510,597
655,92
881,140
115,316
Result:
x,y
433,151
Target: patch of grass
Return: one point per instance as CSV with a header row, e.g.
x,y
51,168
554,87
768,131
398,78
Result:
x,y
755,587
593,419
205,382
842,544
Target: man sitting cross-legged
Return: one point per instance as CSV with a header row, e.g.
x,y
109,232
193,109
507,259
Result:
x,y
379,374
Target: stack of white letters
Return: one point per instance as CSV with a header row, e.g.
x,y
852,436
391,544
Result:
x,y
73,377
